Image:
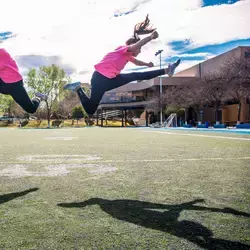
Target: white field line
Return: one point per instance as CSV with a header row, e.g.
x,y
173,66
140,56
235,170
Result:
x,y
174,159
209,136
46,158
132,161
58,138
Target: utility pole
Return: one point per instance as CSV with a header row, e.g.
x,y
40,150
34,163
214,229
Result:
x,y
161,118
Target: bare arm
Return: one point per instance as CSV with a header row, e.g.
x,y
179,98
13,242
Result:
x,y
139,44
141,63
142,42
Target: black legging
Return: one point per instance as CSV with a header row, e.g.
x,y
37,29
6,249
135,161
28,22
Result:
x,y
19,94
100,84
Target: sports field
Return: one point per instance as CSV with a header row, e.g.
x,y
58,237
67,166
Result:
x,y
123,188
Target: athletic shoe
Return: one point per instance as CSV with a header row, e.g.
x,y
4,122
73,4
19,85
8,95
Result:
x,y
72,86
41,96
173,66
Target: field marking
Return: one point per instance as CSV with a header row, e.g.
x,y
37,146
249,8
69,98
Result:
x,y
209,136
172,160
55,165
60,138
20,170
94,164
55,158
135,161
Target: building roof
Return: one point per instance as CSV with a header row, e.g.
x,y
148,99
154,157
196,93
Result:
x,y
125,105
213,64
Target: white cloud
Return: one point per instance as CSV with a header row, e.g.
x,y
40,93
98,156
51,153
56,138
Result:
x,y
80,32
202,54
217,24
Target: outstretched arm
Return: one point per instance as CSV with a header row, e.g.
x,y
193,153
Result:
x,y
141,63
142,42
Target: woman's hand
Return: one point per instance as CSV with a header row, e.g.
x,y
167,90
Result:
x,y
150,65
154,35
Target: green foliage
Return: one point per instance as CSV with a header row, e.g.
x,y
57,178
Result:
x,y
6,102
50,81
47,80
78,112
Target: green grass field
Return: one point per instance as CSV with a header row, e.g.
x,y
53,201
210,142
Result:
x,y
123,188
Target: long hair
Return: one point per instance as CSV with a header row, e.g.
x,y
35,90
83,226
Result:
x,y
141,28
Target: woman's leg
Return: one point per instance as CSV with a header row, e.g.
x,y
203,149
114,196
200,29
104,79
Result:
x,y
99,85
19,94
123,79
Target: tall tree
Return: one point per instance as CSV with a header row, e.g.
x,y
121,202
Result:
x,y
50,81
187,94
236,75
192,96
214,92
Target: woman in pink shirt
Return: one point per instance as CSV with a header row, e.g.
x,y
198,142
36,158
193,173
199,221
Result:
x,y
107,74
11,83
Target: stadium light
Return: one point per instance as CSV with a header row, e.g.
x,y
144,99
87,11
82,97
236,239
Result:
x,y
156,54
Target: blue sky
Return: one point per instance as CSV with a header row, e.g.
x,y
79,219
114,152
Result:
x,y
193,54
211,49
6,35
194,30
218,2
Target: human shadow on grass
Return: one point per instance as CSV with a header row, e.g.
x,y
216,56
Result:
x,y
11,196
142,213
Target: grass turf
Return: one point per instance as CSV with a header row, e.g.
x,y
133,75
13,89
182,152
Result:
x,y
107,188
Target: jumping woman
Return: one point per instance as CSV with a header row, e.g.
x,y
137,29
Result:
x,y
107,74
11,83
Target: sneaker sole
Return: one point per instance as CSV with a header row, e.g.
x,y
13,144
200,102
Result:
x,y
70,87
175,66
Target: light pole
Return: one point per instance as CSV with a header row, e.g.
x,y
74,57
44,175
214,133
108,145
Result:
x,y
156,54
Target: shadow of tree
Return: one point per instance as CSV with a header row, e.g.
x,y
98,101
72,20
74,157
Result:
x,y
141,213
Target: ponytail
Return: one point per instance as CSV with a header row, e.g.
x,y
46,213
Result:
x,y
142,28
